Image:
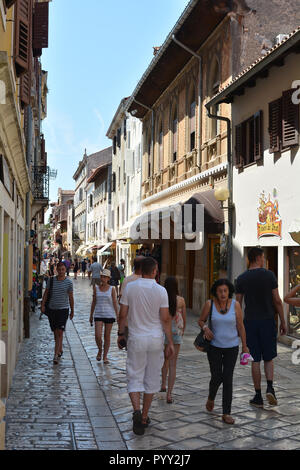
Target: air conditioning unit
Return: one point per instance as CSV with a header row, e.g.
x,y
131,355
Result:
x,y
280,38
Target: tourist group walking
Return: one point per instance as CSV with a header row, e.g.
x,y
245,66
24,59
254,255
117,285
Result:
x,y
151,322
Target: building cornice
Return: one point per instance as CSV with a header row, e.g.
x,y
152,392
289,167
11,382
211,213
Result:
x,y
185,184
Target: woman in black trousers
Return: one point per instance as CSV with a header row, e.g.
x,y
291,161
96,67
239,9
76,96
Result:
x,y
226,327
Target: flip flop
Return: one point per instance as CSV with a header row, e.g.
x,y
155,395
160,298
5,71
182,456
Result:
x,y
163,389
170,400
106,361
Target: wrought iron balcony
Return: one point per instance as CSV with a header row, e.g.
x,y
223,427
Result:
x,y
40,182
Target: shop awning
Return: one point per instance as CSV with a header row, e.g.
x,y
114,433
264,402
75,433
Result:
x,y
213,213
104,248
80,250
294,230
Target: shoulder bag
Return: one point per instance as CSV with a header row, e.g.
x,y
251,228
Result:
x,y
201,343
47,310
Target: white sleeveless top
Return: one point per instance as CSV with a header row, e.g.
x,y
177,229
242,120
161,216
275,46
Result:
x,y
224,328
104,305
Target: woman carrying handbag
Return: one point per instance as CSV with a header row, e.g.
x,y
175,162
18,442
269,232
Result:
x,y
226,326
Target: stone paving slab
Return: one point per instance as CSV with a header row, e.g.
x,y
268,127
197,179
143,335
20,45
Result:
x,y
84,404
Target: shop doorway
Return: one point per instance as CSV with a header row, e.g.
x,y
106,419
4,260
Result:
x,y
213,261
271,256
191,256
173,258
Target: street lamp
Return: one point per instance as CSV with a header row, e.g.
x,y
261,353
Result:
x,y
222,194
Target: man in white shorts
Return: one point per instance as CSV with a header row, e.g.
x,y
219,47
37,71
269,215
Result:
x,y
147,306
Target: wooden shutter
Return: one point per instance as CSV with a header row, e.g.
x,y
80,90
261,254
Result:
x,y
125,134
275,125
113,182
114,145
119,137
240,140
25,88
40,27
258,136
290,120
23,37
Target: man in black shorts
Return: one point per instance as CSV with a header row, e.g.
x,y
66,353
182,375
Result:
x,y
262,301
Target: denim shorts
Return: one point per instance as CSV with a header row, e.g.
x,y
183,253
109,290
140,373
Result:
x,y
261,338
177,339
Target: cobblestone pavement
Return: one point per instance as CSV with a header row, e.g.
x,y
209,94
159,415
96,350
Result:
x,y
83,404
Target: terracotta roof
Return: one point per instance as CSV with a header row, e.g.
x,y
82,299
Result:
x,y
97,171
256,67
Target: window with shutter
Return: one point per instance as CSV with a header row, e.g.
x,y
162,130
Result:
x,y
40,27
114,145
175,125
25,88
119,138
238,147
258,136
275,125
192,125
125,133
23,37
290,120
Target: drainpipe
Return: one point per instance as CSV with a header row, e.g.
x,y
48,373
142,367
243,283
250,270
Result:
x,y
152,136
230,188
27,227
199,57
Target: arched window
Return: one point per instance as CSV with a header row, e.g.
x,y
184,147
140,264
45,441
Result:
x,y
149,153
192,120
160,147
214,89
174,129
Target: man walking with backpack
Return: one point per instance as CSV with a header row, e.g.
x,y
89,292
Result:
x,y
259,288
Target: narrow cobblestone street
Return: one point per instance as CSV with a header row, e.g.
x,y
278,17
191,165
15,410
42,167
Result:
x,y
83,404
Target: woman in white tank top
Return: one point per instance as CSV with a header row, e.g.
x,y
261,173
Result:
x,y
226,327
104,311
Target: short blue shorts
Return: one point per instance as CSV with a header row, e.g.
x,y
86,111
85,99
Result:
x,y
261,338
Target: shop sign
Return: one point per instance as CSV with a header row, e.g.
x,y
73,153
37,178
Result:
x,y
270,222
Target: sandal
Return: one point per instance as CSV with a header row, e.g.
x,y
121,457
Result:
x,y
163,389
170,400
210,405
98,357
106,361
228,419
60,354
147,422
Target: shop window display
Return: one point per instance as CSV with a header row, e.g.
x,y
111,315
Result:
x,y
294,280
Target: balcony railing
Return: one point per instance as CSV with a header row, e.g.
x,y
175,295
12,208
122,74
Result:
x,y
40,182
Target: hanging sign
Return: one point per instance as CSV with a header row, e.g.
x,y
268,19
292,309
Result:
x,y
270,222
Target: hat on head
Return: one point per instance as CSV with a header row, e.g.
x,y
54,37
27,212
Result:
x,y
106,272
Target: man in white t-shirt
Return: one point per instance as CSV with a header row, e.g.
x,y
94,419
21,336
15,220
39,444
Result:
x,y
96,270
147,306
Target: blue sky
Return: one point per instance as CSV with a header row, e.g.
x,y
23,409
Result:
x,y
96,57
